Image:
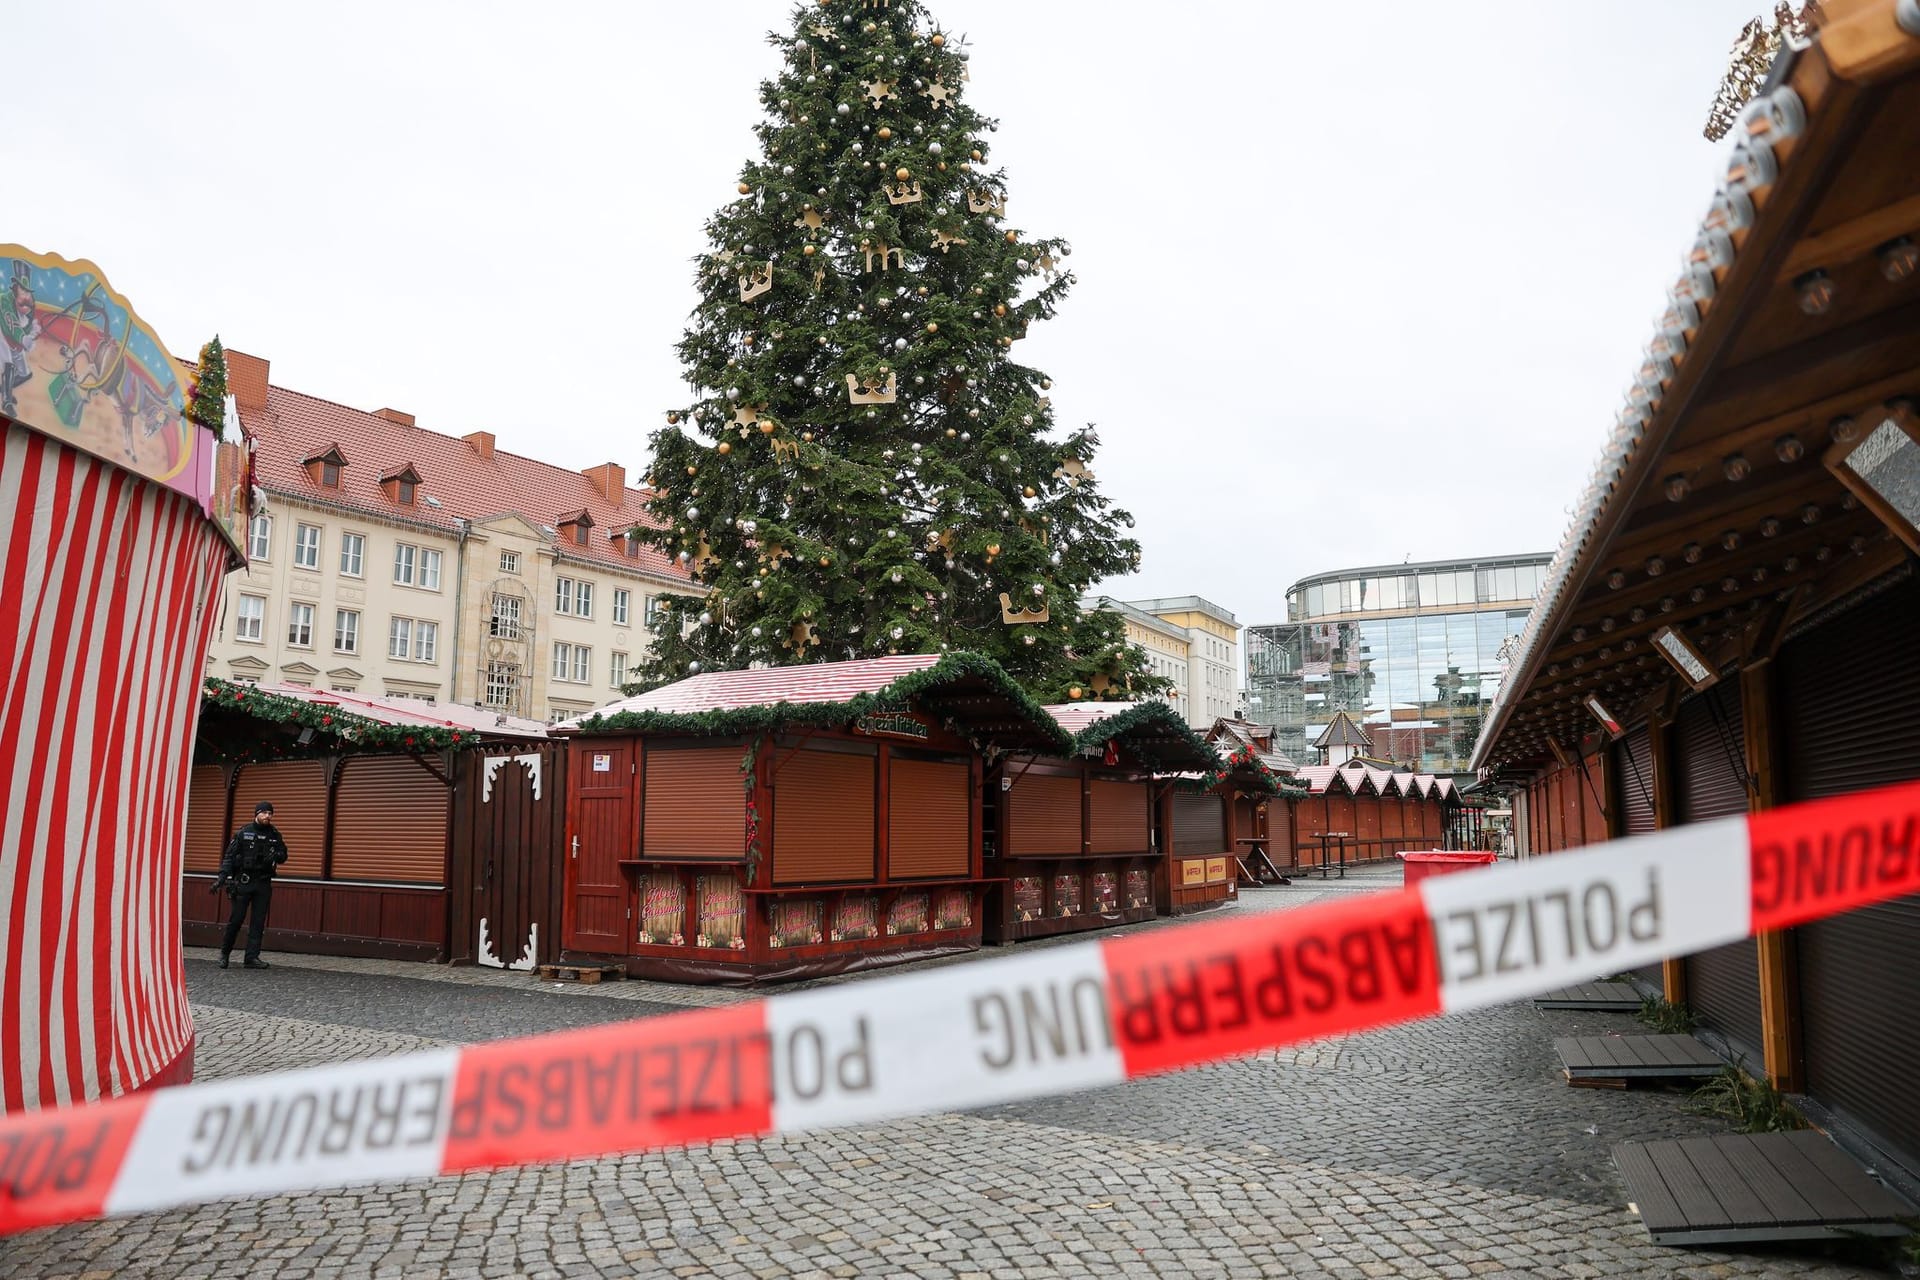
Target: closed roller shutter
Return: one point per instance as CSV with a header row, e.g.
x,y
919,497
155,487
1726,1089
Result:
x,y
1393,823
695,804
298,789
206,817
1117,817
1198,824
1633,785
927,818
1366,812
1847,725
1723,985
1339,815
823,818
1045,815
389,822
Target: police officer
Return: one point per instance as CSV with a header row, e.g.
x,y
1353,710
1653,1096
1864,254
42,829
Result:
x,y
246,873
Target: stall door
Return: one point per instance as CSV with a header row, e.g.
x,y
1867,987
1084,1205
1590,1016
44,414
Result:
x,y
1723,985
600,793
1848,725
513,822
1633,796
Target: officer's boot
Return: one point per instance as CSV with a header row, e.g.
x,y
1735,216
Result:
x,y
224,957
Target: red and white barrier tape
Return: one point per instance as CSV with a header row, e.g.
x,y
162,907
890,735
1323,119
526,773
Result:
x,y
996,1030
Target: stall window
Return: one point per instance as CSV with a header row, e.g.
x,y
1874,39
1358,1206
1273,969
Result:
x,y
695,804
823,824
928,818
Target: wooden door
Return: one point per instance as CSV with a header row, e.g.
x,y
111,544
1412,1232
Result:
x,y
600,775
509,847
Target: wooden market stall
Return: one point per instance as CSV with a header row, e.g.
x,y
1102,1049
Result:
x,y
1730,622
413,831
1073,835
744,826
1360,813
1263,818
120,524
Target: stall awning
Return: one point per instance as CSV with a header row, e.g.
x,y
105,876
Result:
x,y
1149,734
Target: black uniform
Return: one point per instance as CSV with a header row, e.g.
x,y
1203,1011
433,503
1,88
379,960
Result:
x,y
247,872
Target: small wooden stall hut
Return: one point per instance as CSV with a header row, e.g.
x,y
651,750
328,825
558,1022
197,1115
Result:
x,y
744,826
120,522
414,832
1358,813
1072,834
1263,815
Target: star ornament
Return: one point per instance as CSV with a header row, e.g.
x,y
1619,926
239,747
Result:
x,y
809,218
878,91
745,417
939,94
943,239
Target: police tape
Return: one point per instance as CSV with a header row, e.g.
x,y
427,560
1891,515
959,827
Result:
x,y
1052,1021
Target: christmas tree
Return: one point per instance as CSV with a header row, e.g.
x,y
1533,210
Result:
x,y
867,469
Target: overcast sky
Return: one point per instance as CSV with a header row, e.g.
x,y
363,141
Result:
x,y
1357,282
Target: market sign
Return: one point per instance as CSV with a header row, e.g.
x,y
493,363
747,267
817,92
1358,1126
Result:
x,y
77,364
891,724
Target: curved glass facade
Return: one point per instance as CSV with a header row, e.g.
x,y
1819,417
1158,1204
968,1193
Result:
x,y
1412,653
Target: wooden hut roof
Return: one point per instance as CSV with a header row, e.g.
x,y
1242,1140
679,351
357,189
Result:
x,y
1153,733
971,692
1343,732
1792,335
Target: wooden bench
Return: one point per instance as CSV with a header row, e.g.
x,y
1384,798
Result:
x,y
1623,1058
1591,995
1755,1187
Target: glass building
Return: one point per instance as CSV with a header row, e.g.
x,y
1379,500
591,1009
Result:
x,y
1412,652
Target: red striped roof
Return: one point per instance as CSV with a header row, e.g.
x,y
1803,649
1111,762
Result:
x,y
1075,716
452,472
412,712
768,686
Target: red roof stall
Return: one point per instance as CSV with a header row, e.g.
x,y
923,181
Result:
x,y
1072,835
1360,812
119,524
742,826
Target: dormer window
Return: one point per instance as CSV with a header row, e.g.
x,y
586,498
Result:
x,y
401,484
575,527
324,466
628,543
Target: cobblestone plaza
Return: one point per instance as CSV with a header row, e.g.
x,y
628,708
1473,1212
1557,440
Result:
x,y
1446,1148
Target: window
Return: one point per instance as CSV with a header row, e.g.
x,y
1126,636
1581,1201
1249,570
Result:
x,y
259,535
503,685
406,493
353,554
300,625
505,624
306,546
617,668
330,474
429,569
509,562
580,532
572,663
426,637
343,688
404,557
571,596
400,638
346,630
413,639
622,601
653,611
416,566
250,618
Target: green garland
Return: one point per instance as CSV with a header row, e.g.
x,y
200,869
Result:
x,y
208,405
1045,734
1186,753
332,724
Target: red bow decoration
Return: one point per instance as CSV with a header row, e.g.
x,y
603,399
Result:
x,y
1113,753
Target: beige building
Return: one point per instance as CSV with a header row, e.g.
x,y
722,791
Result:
x,y
392,560
1213,654
1165,645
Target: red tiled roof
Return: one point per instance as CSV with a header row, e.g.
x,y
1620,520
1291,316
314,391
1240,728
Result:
x,y
768,686
1320,778
295,426
1075,716
412,712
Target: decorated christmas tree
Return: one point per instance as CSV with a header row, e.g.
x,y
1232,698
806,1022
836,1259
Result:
x,y
867,468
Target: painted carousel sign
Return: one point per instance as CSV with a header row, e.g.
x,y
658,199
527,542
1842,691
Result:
x,y
77,364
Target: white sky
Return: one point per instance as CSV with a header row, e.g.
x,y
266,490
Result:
x,y
1358,282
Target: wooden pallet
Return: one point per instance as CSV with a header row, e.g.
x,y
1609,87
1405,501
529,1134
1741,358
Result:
x,y
1755,1187
585,973
1591,995
1597,1058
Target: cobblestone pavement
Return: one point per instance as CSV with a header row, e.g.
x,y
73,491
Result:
x,y
1448,1148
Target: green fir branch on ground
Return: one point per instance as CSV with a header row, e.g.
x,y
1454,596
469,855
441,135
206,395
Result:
x,y
1749,1104
1665,1018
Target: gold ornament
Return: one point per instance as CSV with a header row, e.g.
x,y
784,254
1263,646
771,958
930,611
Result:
x,y
757,281
768,426
693,471
871,390
1028,491
745,189
993,548
1014,617
824,562
808,250
1000,308
1075,693
938,39
1013,237
673,418
978,156
883,133
807,436
723,448
932,327
902,174
951,433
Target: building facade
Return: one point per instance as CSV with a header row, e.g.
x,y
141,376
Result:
x,y
1165,645
1411,652
395,561
1213,654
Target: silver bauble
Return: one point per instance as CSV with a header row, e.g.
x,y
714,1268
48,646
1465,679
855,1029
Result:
x,y
933,148
693,668
899,344
756,633
733,393
706,619
693,513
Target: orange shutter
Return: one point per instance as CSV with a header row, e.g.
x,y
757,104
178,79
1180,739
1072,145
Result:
x,y
1199,823
928,832
696,803
206,817
823,818
1118,817
1044,809
389,822
298,789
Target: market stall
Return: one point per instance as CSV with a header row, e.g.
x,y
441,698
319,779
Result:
x,y
743,826
120,502
1359,813
1074,842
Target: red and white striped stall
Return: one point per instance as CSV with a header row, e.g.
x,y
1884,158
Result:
x,y
109,579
